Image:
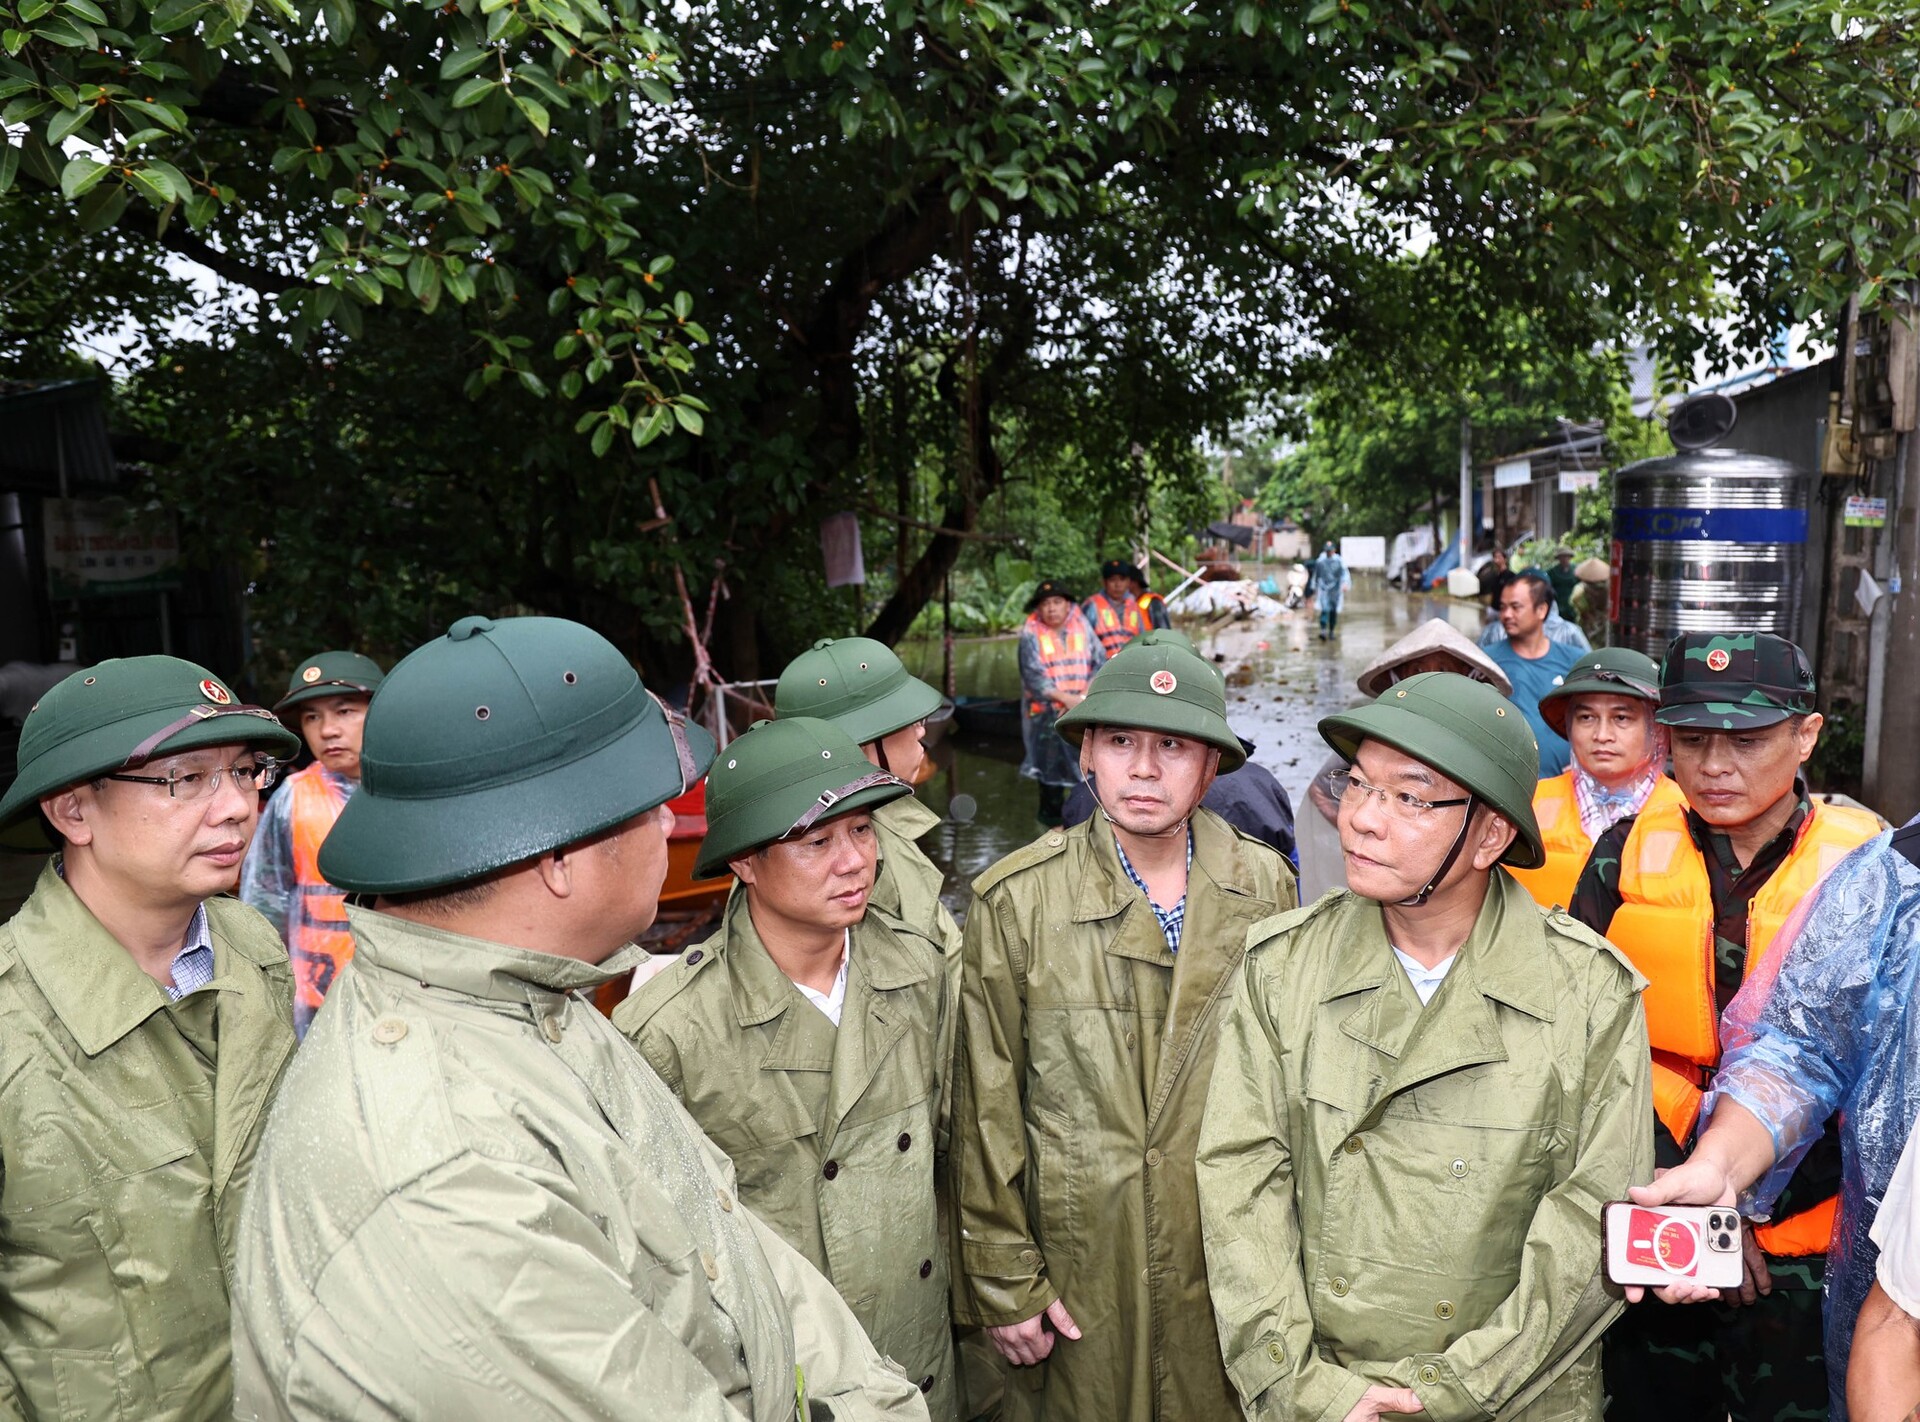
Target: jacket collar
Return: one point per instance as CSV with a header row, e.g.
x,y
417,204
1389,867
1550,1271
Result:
x,y
1499,963
1106,890
761,992
93,984
906,817
475,967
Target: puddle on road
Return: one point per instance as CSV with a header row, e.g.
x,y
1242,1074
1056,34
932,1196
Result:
x,y
1286,680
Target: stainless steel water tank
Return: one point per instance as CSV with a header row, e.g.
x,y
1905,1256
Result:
x,y
1711,540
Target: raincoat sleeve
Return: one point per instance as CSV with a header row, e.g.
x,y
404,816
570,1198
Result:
x,y
1001,1276
1250,1226
267,880
1562,1304
514,1298
846,1380
1804,1023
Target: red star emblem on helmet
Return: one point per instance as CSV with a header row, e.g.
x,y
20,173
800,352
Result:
x,y
1718,659
1163,681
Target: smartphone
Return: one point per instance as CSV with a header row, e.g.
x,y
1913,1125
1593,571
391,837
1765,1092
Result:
x,y
1673,1244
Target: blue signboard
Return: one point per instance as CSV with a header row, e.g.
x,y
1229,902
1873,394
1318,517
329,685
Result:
x,y
1715,525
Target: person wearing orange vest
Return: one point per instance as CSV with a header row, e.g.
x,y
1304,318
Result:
x,y
1058,655
326,702
1112,612
1604,709
1153,607
1695,894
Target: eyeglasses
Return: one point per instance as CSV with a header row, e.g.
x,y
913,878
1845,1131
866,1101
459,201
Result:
x,y
1398,803
199,784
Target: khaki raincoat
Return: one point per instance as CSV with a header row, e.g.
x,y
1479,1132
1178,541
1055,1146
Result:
x,y
1412,1196
1085,1051
476,1201
907,883
832,1131
128,1125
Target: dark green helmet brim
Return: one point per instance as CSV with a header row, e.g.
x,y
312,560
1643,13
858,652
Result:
x,y
742,833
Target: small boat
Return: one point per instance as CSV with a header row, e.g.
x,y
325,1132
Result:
x,y
997,716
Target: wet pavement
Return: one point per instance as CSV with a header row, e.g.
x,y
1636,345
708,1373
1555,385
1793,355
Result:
x,y
1281,679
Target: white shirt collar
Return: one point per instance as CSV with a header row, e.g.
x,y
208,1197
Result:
x,y
833,1002
1426,981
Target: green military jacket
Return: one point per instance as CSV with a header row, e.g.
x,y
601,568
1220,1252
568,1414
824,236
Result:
x,y
1085,1051
475,1200
128,1125
1410,1195
907,884
832,1131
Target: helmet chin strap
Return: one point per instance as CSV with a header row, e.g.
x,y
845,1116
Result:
x,y
1446,865
1177,827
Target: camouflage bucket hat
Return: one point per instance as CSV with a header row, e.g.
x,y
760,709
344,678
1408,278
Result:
x,y
496,743
119,715
781,778
1738,683
856,683
1610,671
331,674
1157,682
1468,732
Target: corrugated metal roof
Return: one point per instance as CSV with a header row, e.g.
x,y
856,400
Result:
x,y
51,427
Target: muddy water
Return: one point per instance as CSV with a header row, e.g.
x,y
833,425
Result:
x,y
1281,679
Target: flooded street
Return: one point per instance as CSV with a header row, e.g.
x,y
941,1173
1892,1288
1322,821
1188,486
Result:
x,y
1281,679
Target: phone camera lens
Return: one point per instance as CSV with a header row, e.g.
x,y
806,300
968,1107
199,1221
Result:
x,y
1724,1241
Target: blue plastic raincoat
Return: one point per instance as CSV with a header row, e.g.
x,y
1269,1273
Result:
x,y
1825,1027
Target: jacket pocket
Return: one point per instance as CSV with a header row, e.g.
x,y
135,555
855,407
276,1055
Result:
x,y
88,1383
1053,1195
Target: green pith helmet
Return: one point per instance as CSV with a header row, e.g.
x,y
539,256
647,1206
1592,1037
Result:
x,y
1609,671
1468,732
856,683
331,674
1157,682
121,714
496,743
1743,683
782,777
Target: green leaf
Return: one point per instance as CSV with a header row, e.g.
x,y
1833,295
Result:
x,y
536,113
473,91
174,180
1247,17
688,419
66,123
463,62
86,10
81,175
339,15
603,439
102,207
9,163
153,187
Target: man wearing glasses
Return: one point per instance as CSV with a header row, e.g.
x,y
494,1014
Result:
x,y
1426,1088
145,1020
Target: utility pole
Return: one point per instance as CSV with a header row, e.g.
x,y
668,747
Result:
x,y
1466,492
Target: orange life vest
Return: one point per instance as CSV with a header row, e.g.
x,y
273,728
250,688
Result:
x,y
1065,657
1665,925
1115,626
1557,812
317,937
1149,600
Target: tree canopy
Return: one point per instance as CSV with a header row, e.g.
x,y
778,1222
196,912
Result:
x,y
513,259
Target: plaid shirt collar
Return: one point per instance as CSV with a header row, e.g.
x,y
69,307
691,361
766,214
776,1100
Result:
x,y
1172,920
1600,807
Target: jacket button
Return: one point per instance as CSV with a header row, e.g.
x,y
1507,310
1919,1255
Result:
x,y
926,1383
1459,1168
1443,1309
926,1268
1429,1375
1354,1145
550,1027
1154,1157
830,1169
1130,1042
693,958
1276,1352
1339,1287
389,1030
904,1141
726,1200
711,1265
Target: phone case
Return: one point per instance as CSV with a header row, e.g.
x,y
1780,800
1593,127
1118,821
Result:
x,y
1673,1244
